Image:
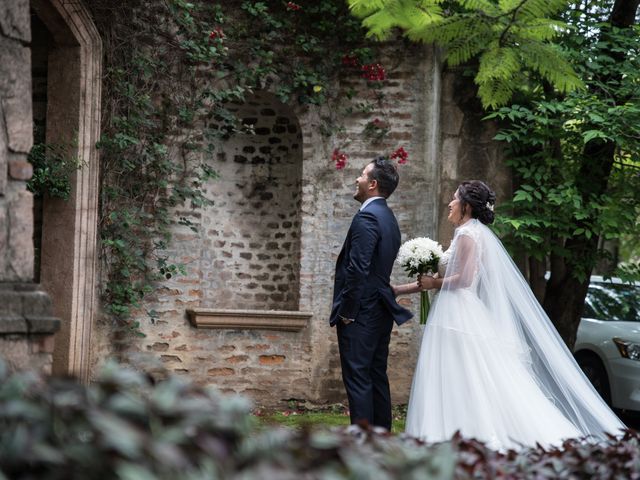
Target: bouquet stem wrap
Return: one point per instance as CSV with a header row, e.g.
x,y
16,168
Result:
x,y
425,305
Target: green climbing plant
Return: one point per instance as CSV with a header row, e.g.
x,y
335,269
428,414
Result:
x,y
53,167
174,70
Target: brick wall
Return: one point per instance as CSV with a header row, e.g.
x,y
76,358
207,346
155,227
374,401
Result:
x,y
250,250
270,241
406,102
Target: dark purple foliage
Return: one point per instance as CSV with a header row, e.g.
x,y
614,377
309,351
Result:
x,y
127,426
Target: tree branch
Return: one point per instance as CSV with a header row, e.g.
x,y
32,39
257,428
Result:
x,y
513,13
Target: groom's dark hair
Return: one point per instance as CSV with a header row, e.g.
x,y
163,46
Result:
x,y
385,173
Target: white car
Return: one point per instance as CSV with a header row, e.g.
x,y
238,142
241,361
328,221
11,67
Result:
x,y
608,341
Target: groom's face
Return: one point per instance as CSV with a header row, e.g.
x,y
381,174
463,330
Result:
x,y
364,184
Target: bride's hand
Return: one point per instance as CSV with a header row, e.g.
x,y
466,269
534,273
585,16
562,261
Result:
x,y
426,282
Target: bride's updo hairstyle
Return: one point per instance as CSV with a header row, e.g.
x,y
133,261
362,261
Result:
x,y
480,198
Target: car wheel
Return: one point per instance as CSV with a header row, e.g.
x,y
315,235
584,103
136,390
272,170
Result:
x,y
597,375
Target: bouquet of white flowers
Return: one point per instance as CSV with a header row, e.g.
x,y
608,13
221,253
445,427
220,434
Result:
x,y
420,256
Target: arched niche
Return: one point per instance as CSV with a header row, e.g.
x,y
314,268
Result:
x,y
251,236
67,268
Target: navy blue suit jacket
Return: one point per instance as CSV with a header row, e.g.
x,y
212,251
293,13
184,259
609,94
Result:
x,y
363,269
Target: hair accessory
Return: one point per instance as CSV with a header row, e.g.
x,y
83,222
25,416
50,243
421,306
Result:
x,y
489,206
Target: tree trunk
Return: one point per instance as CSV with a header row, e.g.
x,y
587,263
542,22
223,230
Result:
x,y
564,302
537,270
623,13
565,293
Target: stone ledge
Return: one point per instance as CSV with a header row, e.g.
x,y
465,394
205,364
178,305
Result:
x,y
24,300
40,325
10,324
29,325
19,287
25,309
249,319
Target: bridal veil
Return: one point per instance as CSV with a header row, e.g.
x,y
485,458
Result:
x,y
492,365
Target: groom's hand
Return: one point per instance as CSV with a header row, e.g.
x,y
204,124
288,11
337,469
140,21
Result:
x,y
345,320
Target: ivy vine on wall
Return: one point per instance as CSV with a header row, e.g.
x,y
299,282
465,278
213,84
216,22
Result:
x,y
173,71
53,167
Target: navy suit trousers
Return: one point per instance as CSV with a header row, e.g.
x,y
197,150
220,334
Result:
x,y
364,349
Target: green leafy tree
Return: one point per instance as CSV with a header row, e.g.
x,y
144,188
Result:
x,y
510,39
576,158
573,133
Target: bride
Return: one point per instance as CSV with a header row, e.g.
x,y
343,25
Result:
x,y
491,364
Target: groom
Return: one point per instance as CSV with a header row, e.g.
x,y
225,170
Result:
x,y
364,307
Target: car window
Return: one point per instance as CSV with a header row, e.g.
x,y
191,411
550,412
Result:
x,y
612,301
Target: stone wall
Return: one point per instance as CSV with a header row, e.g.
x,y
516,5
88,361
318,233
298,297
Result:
x,y
270,241
26,325
16,138
468,151
281,212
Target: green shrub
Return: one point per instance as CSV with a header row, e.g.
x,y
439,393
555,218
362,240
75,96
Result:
x,y
127,426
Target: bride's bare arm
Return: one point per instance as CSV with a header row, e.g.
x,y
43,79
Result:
x,y
405,288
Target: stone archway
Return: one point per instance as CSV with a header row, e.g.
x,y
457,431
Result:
x,y
69,228
252,238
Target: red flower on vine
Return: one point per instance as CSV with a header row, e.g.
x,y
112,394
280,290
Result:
x,y
373,72
350,61
340,158
217,33
294,7
401,155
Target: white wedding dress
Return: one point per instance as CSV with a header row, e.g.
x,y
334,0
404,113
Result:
x,y
491,364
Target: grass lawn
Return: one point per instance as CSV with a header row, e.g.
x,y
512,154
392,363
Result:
x,y
329,418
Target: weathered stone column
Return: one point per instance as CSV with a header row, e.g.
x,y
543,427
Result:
x,y
26,324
